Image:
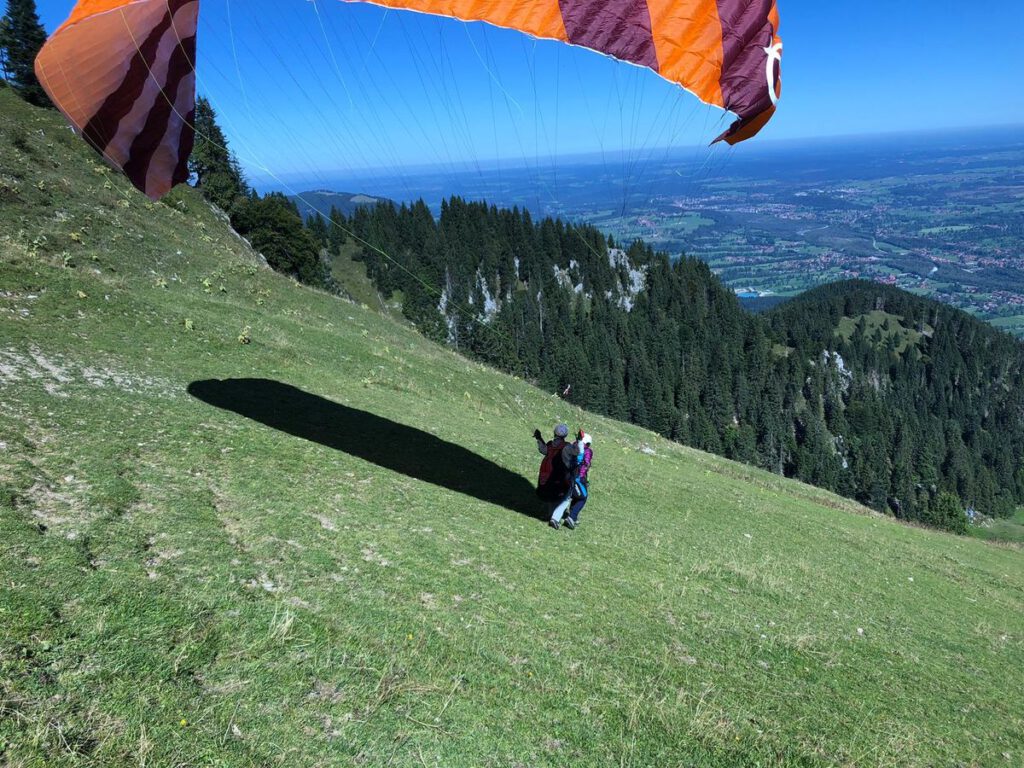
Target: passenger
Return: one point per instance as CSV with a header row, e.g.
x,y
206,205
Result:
x,y
581,487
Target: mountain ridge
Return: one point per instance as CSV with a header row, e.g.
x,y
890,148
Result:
x,y
320,202
663,343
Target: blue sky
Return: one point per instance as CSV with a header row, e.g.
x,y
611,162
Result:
x,y
321,89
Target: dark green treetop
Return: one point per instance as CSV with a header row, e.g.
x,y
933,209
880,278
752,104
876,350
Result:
x,y
214,166
21,37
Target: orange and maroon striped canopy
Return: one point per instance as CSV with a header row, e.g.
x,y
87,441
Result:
x,y
122,71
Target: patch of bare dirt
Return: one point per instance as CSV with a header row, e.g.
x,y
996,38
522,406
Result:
x,y
57,374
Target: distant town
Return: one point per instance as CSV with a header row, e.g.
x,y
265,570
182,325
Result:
x,y
942,221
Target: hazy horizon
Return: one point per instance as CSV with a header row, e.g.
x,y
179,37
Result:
x,y
1003,135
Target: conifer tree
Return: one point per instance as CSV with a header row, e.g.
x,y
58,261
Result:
x,y
5,37
337,236
21,37
273,226
948,512
318,228
217,172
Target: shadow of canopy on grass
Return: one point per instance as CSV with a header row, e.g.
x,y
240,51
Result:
x,y
398,447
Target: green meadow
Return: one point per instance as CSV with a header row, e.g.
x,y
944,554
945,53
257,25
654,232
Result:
x,y
246,523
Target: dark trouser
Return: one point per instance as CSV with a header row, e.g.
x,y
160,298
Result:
x,y
577,507
581,494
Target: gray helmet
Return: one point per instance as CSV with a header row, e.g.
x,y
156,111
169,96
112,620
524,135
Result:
x,y
562,430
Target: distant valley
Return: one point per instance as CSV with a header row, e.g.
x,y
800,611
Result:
x,y
941,215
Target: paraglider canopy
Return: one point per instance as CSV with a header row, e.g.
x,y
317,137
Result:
x,y
123,71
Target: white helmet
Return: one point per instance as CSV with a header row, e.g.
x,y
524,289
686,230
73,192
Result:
x,y
586,439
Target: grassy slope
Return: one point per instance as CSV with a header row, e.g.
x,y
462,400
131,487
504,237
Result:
x,y
1011,529
183,585
351,276
874,322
